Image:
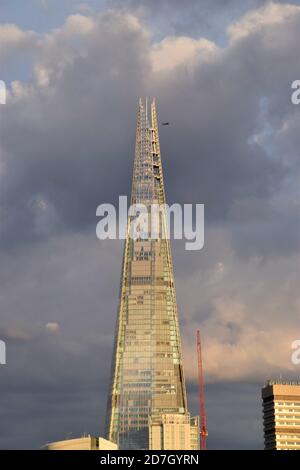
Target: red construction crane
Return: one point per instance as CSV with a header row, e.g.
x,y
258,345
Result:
x,y
202,424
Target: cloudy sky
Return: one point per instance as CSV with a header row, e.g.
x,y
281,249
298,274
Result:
x,y
221,71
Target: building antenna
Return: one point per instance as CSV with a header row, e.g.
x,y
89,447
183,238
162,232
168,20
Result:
x,y
202,422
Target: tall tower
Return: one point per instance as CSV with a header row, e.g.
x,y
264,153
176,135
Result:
x,y
147,371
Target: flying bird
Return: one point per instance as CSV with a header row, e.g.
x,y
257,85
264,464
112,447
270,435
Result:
x,y
165,123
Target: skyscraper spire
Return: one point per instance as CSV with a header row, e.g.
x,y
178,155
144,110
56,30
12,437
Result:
x,y
147,371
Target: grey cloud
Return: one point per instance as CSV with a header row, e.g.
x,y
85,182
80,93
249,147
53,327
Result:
x,y
70,164
57,382
58,386
208,18
68,160
238,403
74,280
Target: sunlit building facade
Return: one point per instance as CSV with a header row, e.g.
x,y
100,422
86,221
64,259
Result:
x,y
82,443
147,369
281,414
174,432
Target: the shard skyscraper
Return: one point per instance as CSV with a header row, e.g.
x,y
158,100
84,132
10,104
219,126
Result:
x,y
147,370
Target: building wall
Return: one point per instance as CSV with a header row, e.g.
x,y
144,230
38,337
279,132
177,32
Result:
x,y
194,433
174,432
104,444
82,443
156,437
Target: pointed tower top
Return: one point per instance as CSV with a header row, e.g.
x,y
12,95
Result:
x,y
147,375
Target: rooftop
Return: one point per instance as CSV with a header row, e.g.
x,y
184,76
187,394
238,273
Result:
x,y
281,382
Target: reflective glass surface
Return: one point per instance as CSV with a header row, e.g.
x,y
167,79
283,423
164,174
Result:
x,y
147,372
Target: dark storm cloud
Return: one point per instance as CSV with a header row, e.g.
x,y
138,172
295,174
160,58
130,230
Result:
x,y
64,394
57,379
72,280
228,117
69,164
243,408
59,161
57,385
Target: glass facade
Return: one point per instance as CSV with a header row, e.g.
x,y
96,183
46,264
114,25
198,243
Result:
x,y
147,371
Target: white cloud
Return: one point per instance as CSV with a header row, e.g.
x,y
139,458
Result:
x,y
13,38
78,25
174,51
53,327
255,20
